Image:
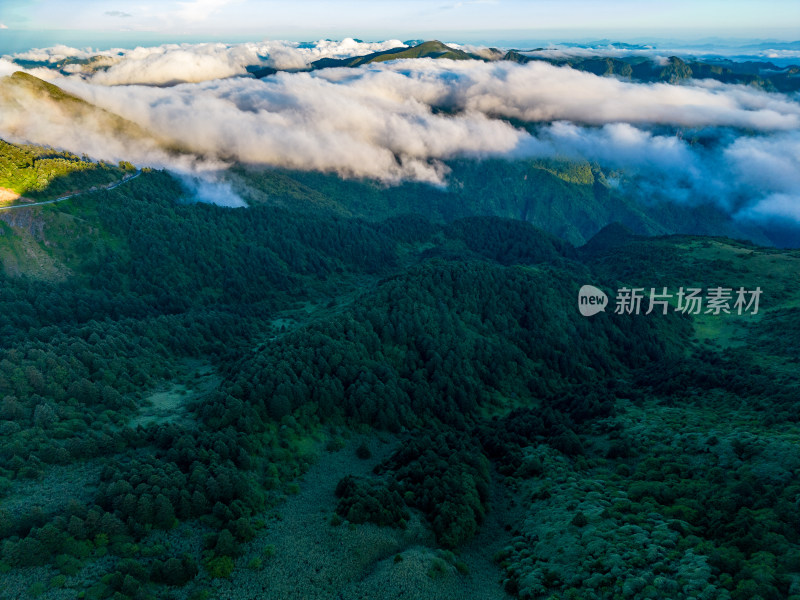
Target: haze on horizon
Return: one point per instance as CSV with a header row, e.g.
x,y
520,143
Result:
x,y
25,23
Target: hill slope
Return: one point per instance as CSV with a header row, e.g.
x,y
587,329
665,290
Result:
x,y
571,200
23,92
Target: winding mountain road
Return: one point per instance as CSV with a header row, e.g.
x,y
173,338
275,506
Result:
x,y
110,186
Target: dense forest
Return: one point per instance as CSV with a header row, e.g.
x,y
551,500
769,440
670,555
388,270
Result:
x,y
570,200
649,456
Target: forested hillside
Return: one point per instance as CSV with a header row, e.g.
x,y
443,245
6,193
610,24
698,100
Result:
x,y
571,200
170,370
41,173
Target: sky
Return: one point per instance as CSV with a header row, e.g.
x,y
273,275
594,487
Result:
x,y
30,23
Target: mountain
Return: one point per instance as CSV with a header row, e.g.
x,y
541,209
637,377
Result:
x,y
23,92
606,43
70,117
635,67
430,49
91,64
40,173
676,70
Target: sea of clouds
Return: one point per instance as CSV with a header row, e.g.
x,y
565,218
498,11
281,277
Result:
x,y
402,120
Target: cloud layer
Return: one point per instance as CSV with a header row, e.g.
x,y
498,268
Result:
x,y
402,120
183,63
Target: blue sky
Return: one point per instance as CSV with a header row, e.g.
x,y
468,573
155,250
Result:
x,y
52,21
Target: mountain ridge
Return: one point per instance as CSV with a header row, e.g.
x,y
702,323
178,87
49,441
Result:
x,y
635,68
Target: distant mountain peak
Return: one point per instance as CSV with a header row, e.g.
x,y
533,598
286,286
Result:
x,y
23,92
34,84
428,49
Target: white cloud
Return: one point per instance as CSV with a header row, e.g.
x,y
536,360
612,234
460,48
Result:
x,y
180,63
176,63
307,122
540,92
775,207
206,188
60,52
767,161
402,120
7,67
3,26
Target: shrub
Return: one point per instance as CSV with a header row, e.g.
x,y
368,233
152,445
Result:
x,y
580,520
364,501
220,567
437,569
363,452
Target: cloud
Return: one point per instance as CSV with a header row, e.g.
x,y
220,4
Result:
x,y
7,67
615,145
3,26
402,120
540,92
775,207
180,63
176,63
307,122
117,13
58,53
206,188
28,116
762,161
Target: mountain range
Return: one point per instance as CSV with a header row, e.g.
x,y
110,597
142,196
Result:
x,y
763,75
